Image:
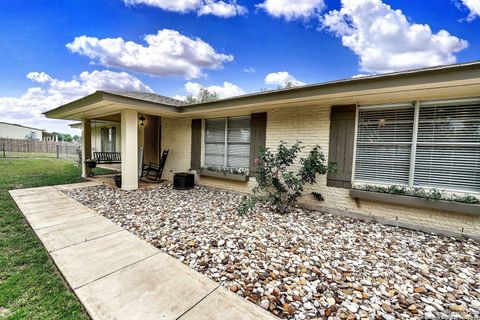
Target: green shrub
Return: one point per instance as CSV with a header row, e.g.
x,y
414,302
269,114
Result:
x,y
278,183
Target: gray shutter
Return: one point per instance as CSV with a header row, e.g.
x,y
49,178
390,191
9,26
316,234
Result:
x,y
196,150
258,138
342,135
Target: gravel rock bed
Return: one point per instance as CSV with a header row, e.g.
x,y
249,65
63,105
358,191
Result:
x,y
306,264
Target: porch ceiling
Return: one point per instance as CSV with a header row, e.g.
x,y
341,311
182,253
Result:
x,y
111,118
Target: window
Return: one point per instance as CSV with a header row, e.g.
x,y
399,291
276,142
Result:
x,y
108,139
384,143
429,144
227,142
448,146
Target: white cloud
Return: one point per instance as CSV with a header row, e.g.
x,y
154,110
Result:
x,y
51,93
222,9
290,10
250,70
361,75
281,79
167,53
386,41
474,7
217,8
226,91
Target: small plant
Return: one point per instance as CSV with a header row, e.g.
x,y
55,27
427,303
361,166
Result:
x,y
397,189
248,203
78,151
230,170
465,199
278,183
429,194
318,196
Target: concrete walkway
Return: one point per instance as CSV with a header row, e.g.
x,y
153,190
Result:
x,y
115,274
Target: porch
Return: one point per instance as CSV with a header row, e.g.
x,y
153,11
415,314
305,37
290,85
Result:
x,y
124,142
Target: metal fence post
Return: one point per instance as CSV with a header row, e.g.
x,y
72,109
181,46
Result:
x,y
58,151
4,150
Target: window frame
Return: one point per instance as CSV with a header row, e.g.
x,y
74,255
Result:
x,y
380,107
226,142
414,143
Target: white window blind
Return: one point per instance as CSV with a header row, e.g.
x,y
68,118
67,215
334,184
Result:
x,y
448,146
238,142
215,142
227,142
384,142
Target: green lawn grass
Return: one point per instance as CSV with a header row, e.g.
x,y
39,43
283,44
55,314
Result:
x,y
30,287
37,155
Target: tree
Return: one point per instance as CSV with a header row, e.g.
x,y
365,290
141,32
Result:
x,y
64,137
31,136
281,179
76,138
204,95
287,85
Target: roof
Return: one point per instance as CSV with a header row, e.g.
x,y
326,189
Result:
x,y
148,96
19,125
170,106
358,79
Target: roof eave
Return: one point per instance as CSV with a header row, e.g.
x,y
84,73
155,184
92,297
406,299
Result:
x,y
410,77
95,97
100,96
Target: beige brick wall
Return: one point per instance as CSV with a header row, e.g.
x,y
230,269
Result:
x,y
311,125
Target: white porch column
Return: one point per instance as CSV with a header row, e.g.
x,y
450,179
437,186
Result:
x,y
129,136
86,146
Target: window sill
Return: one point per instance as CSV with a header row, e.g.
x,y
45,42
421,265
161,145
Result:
x,y
225,176
416,201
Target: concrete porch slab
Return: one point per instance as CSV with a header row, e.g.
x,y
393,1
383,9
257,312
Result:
x,y
91,260
75,232
58,216
159,287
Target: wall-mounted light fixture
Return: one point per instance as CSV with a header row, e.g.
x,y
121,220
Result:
x,y
142,120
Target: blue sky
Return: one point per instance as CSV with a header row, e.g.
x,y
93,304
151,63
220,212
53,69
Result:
x,y
248,44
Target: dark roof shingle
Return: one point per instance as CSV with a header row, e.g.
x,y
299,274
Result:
x,y
147,96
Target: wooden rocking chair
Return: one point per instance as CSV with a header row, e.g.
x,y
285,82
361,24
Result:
x,y
152,172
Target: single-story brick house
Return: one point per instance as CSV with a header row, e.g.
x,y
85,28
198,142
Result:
x,y
418,128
